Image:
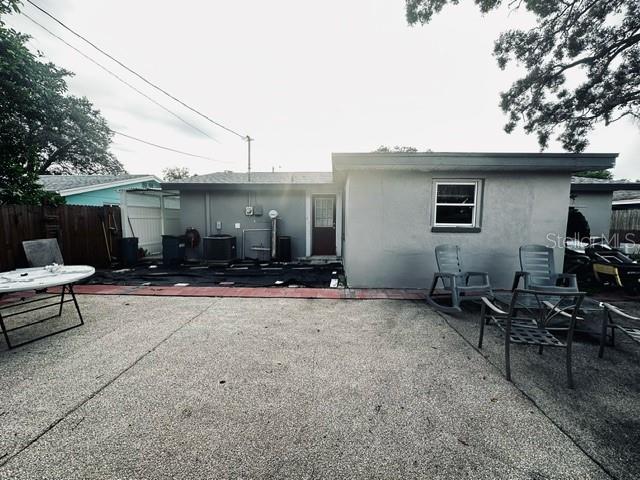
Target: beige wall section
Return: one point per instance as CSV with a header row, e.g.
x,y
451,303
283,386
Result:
x,y
388,238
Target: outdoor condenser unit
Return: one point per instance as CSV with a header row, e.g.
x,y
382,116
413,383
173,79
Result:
x,y
219,247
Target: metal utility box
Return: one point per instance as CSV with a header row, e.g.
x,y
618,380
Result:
x,y
284,249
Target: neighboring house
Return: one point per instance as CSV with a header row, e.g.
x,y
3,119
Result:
x,y
95,190
625,218
217,203
624,199
384,213
593,198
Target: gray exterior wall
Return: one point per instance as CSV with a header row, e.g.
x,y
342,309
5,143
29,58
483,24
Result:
x,y
388,238
596,207
201,209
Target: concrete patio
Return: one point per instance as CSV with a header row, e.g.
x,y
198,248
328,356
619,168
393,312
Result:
x,y
175,387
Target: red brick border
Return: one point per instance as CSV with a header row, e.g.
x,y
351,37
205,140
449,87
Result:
x,y
253,292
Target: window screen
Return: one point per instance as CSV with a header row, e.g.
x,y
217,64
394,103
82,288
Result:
x,y
456,203
323,212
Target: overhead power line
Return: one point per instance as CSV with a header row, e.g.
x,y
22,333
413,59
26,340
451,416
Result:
x,y
116,76
131,137
141,77
146,142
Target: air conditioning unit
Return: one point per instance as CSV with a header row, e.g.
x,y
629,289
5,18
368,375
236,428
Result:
x,y
219,247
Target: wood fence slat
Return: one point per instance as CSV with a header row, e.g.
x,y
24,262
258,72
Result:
x,y
625,226
79,232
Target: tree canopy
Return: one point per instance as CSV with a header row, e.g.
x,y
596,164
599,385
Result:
x,y
601,174
582,64
43,129
175,173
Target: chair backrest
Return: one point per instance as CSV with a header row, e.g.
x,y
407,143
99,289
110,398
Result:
x,y
546,305
42,252
537,260
448,259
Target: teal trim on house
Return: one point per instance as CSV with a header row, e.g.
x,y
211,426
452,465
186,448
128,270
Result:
x,y
108,195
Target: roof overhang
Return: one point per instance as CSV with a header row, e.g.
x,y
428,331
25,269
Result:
x,y
460,161
622,203
604,187
241,186
100,186
154,192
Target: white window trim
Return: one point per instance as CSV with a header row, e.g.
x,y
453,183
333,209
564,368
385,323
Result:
x,y
475,216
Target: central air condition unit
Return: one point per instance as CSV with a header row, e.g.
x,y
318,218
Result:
x,y
219,247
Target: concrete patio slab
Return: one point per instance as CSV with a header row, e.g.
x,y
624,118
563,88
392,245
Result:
x,y
279,388
602,413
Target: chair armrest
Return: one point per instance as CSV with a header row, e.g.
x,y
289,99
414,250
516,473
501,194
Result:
x,y
444,275
483,275
573,280
558,311
491,305
516,279
454,278
564,275
617,311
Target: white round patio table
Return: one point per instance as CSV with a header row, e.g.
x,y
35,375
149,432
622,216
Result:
x,y
40,278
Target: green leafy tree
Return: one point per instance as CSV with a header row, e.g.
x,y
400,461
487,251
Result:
x,y
601,174
42,128
8,6
595,42
577,225
175,173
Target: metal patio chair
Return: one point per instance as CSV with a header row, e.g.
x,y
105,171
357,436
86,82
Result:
x,y
455,281
42,252
541,308
632,332
537,268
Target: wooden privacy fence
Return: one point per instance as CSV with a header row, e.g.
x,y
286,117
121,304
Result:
x,y
625,225
78,228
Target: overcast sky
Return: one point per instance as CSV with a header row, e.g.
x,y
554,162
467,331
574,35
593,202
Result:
x,y
303,78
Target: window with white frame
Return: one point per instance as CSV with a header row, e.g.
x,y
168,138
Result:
x,y
456,203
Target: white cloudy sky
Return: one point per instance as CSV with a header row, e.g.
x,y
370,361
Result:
x,y
303,78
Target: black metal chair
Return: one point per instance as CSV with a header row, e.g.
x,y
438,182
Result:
x,y
455,281
632,332
42,252
531,328
537,268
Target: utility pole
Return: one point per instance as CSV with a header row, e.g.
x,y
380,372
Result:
x,y
249,140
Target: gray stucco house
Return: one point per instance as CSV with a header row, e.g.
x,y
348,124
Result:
x,y
217,203
387,211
